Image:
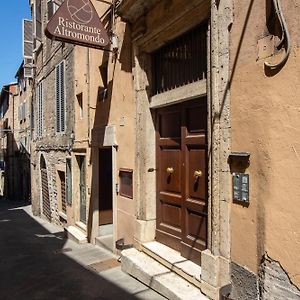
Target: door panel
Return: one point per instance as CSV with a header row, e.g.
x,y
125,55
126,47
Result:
x,y
182,177
171,181
196,181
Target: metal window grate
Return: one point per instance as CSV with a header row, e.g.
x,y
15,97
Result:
x,y
181,62
62,178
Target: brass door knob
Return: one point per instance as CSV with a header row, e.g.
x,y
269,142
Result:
x,y
170,170
197,174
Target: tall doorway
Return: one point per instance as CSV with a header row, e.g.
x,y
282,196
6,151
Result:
x,y
82,188
182,201
105,187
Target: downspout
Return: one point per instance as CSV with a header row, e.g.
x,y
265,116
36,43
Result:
x,y
88,94
12,146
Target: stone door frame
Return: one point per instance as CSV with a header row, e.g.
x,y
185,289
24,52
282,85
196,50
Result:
x,y
215,260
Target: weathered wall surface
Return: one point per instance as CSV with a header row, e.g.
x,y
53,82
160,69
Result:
x,y
115,111
54,146
265,121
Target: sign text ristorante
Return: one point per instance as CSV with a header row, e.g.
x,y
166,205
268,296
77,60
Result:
x,y
74,30
77,22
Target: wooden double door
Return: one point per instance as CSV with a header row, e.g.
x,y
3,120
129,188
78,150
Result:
x,y
181,146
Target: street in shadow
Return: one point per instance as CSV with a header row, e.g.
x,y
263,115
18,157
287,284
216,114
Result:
x,y
33,264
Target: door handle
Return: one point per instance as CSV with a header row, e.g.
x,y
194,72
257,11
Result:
x,y
197,174
170,170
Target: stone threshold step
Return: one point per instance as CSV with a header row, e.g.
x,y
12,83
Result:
x,y
106,241
174,261
161,279
75,234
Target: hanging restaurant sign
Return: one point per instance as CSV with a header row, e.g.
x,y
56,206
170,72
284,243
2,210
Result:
x,y
77,22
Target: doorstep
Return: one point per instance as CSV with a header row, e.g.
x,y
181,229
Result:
x,y
105,241
75,234
172,259
158,276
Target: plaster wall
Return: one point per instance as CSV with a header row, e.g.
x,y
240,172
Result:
x,y
106,122
265,112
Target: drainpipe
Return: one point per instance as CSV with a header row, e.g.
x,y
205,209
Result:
x,y
12,146
89,93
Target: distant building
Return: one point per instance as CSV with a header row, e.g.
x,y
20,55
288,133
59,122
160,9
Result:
x,y
15,133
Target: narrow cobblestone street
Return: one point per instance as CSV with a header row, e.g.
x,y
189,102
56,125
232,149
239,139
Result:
x,y
38,262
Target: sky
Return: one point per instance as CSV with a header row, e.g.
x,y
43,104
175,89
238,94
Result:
x,y
11,14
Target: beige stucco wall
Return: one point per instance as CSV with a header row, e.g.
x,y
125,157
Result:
x,y
117,111
266,121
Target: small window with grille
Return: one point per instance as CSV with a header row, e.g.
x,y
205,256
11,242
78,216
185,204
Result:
x,y
180,62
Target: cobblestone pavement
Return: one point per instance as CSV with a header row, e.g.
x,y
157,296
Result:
x,y
38,262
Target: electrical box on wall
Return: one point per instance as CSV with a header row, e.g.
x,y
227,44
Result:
x,y
240,187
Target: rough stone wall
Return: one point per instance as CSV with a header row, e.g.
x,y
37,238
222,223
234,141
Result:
x,y
54,146
244,283
52,158
275,283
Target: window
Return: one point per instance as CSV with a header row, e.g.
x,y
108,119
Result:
x,y
52,8
79,99
21,112
31,116
126,183
69,180
181,61
39,94
60,97
38,19
62,179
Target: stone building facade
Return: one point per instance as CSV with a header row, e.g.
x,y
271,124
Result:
x,y
53,110
15,138
160,127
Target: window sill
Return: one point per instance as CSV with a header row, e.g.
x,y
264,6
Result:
x,y
62,215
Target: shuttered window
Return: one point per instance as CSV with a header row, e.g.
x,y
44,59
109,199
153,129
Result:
x,y
27,50
39,94
60,97
38,19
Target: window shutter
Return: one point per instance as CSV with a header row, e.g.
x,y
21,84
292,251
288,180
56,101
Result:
x,y
27,48
52,8
28,68
60,97
38,19
31,116
63,105
57,98
40,109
